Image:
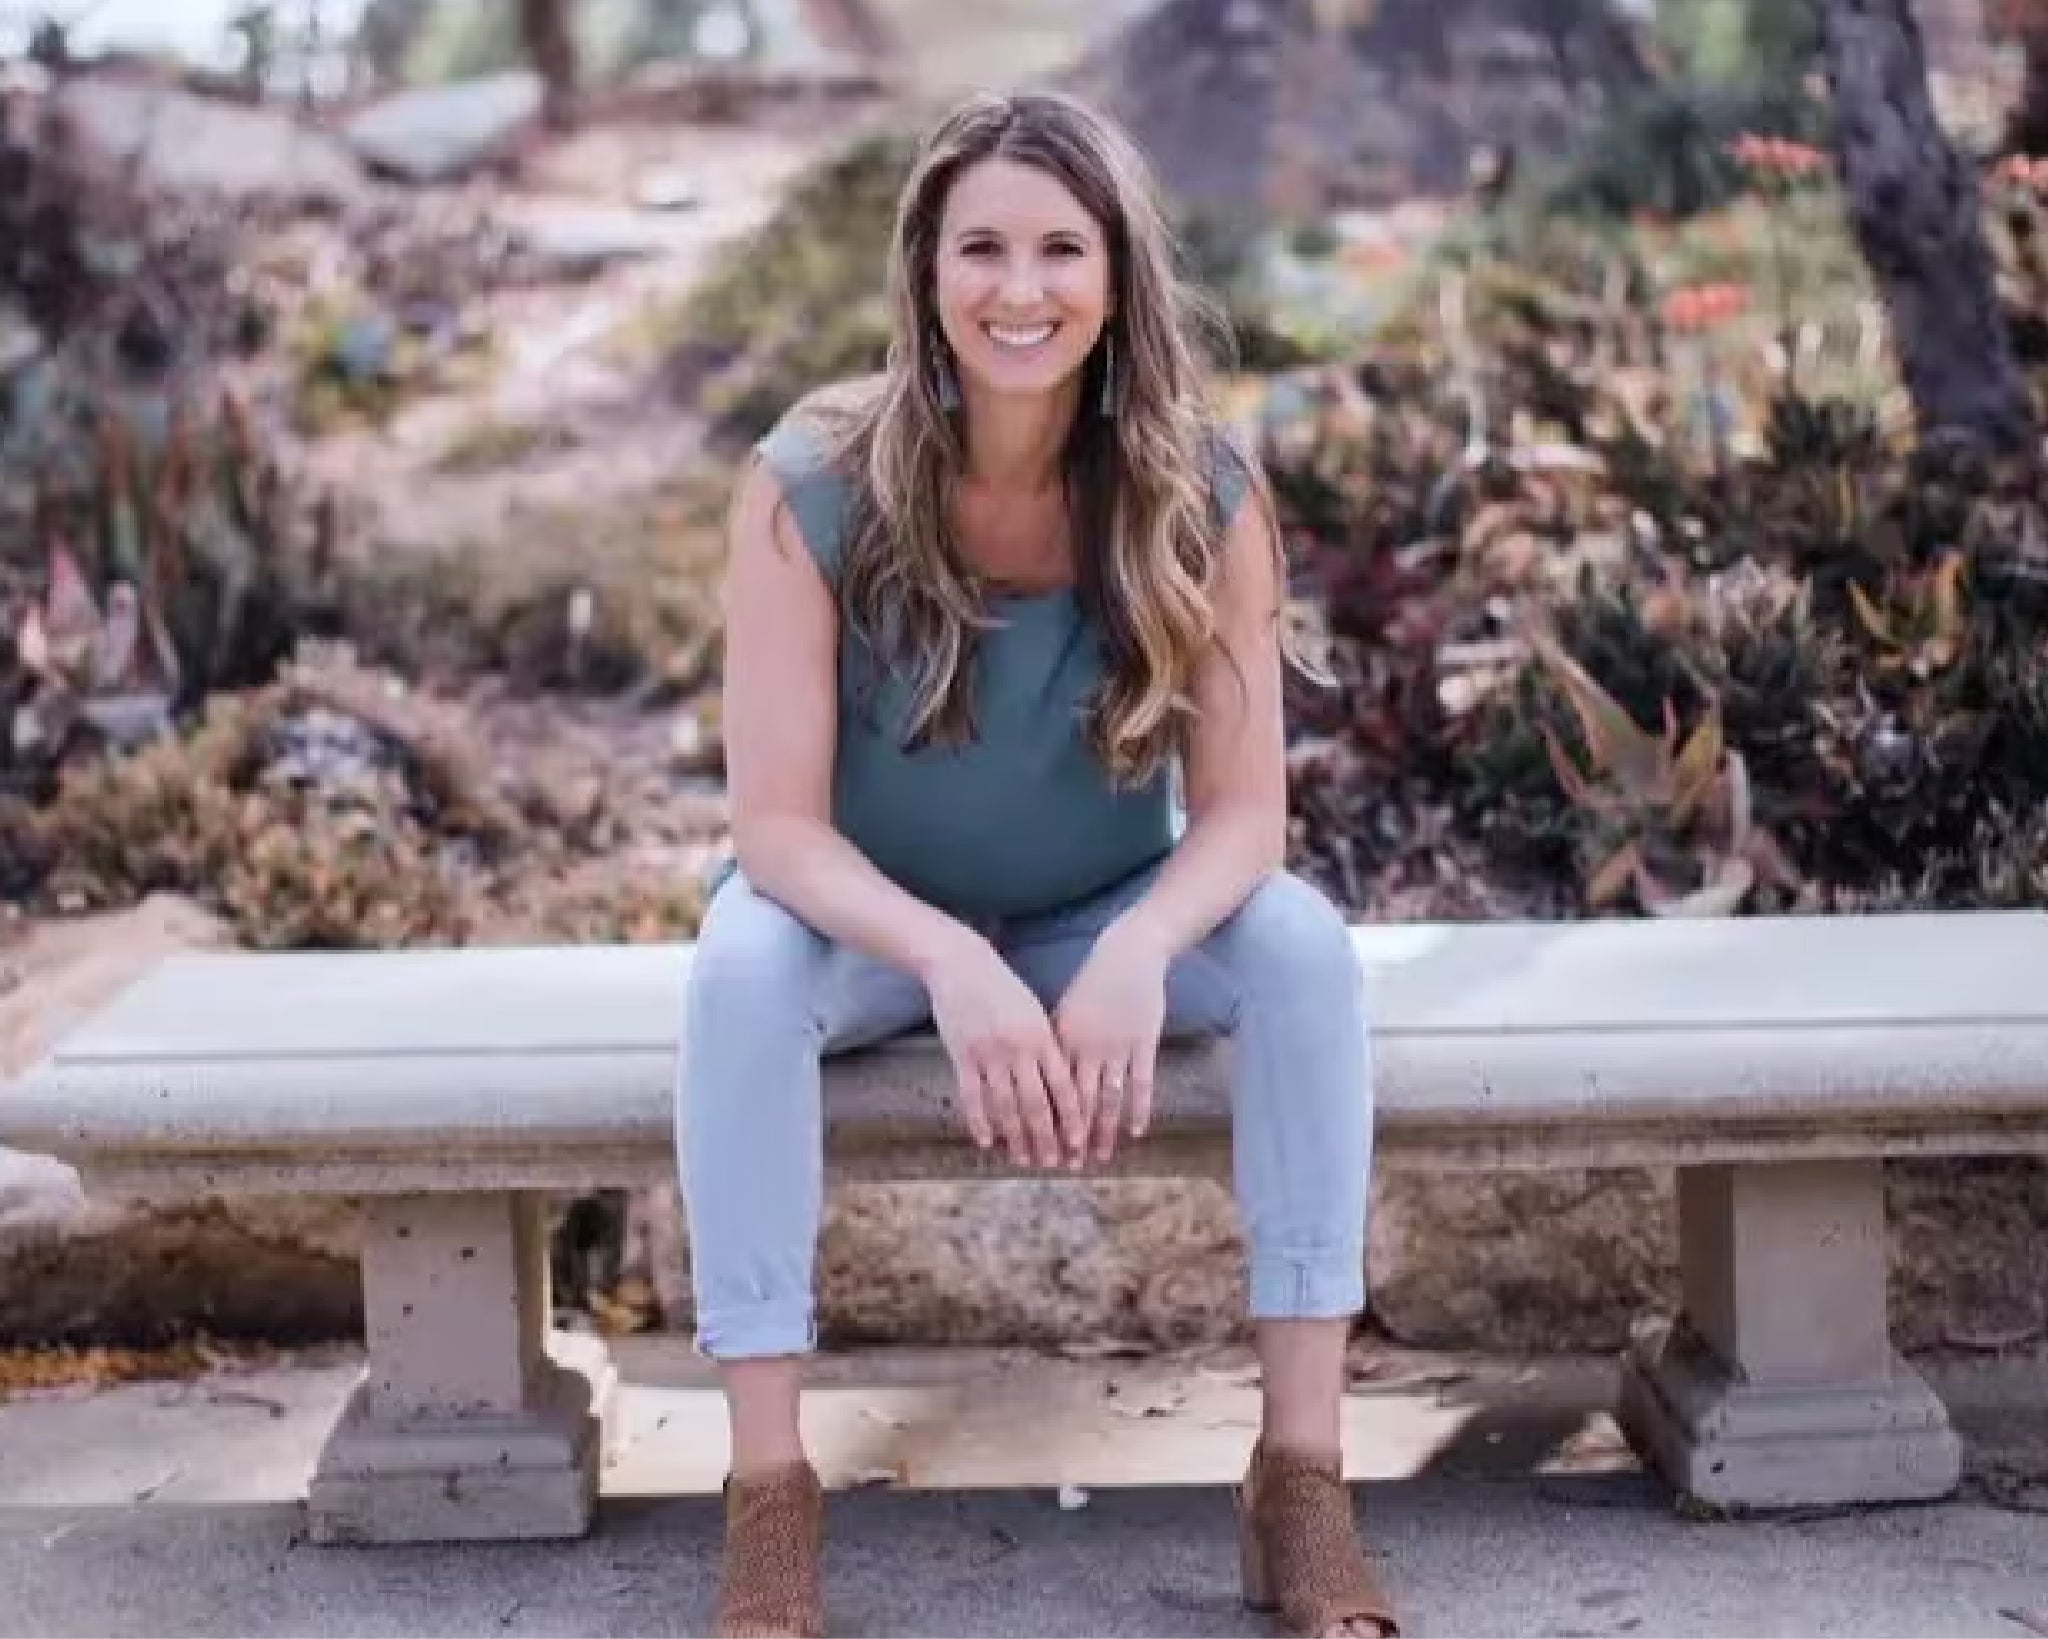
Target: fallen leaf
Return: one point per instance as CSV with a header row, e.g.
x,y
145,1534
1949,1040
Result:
x,y
1072,1497
1161,1403
155,1486
1390,1377
863,1478
1103,1348
242,1397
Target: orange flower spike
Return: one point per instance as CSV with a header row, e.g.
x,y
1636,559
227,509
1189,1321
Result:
x,y
1776,158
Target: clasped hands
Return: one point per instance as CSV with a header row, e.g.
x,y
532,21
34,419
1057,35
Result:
x,y
1054,1088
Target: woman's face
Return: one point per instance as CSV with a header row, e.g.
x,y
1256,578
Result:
x,y
1023,279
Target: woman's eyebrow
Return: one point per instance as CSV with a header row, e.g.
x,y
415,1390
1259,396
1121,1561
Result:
x,y
981,230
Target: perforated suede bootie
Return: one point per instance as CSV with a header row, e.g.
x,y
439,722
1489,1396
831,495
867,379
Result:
x,y
1300,1549
771,1586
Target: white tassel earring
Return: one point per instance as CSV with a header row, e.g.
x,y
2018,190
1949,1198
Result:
x,y
1108,377
949,384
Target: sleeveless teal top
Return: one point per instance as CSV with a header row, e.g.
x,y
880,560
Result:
x,y
1024,818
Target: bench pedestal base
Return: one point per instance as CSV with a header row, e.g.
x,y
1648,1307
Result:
x,y
475,1420
1739,1446
1778,1386
482,1478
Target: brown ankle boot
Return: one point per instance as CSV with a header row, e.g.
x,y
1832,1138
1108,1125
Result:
x,y
1300,1548
770,1586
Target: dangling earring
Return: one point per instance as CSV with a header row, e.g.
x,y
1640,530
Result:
x,y
1108,377
949,384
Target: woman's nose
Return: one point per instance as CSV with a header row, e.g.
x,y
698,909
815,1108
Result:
x,y
1023,284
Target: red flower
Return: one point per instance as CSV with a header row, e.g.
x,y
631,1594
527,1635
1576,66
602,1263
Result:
x,y
1777,158
1701,307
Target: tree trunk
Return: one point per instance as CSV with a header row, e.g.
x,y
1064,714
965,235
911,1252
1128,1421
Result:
x,y
551,48
1915,209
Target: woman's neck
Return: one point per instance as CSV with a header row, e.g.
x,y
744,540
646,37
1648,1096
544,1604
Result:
x,y
1015,446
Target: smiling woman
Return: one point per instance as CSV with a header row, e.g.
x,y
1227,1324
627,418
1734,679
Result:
x,y
1003,726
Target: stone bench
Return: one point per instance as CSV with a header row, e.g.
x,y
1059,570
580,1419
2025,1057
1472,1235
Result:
x,y
1774,1063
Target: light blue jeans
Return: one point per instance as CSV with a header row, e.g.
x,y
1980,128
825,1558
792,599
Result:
x,y
768,996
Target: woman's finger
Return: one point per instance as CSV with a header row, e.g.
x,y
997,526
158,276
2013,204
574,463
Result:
x,y
1070,1120
1088,1074
974,1103
1109,1110
1035,1107
1141,1094
1002,1109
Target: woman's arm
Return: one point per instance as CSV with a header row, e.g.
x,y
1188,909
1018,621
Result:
x,y
1236,773
781,722
1111,1017
781,716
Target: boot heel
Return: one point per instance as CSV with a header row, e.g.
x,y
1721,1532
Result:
x,y
1254,1577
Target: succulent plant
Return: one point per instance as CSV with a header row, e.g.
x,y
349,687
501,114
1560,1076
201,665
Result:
x,y
1671,822
180,558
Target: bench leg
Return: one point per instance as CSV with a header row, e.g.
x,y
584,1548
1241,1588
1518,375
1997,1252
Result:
x,y
1778,1386
472,1421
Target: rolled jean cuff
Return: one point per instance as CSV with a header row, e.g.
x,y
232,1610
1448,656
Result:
x,y
753,1331
1324,1287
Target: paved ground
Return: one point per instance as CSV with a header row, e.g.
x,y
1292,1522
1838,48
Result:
x,y
1496,1494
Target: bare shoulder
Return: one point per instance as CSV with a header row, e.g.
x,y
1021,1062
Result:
x,y
757,516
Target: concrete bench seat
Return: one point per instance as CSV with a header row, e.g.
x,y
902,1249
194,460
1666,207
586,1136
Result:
x,y
1775,1062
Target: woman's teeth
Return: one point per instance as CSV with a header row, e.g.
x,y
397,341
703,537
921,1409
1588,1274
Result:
x,y
1020,336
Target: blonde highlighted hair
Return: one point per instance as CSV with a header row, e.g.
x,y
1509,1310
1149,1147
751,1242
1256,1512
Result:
x,y
1140,470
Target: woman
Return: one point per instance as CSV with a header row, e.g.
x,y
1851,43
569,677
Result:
x,y
991,627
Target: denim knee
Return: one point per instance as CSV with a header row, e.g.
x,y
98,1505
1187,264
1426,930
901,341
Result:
x,y
754,961
1288,942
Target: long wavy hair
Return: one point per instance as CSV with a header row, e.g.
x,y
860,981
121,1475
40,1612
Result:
x,y
1139,469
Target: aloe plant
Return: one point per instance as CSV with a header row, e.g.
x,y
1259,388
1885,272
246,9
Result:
x,y
1672,818
180,559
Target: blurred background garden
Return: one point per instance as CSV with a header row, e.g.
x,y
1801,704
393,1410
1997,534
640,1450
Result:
x,y
1651,388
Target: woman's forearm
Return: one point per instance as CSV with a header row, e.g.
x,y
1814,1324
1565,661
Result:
x,y
1225,854
810,868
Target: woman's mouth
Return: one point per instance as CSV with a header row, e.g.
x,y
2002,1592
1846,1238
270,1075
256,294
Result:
x,y
1019,337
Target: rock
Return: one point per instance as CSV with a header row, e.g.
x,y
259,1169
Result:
x,y
363,349
437,133
319,749
1518,1263
20,342
571,241
1522,1261
37,1193
181,143
1277,108
667,190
